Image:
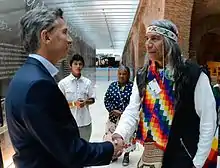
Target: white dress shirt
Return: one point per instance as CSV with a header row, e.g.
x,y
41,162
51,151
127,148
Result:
x,y
205,108
75,89
218,162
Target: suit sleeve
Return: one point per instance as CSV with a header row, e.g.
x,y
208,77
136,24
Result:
x,y
58,133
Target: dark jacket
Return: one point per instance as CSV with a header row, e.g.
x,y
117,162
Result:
x,y
184,133
41,126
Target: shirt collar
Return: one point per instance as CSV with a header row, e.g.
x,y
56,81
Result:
x,y
72,77
47,64
216,85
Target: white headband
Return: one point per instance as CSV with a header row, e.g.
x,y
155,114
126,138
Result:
x,y
162,31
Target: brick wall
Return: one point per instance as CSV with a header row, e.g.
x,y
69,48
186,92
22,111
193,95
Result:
x,y
205,18
180,13
194,18
141,44
135,40
177,11
152,10
147,11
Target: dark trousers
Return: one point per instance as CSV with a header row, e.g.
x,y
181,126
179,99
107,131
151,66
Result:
x,y
179,160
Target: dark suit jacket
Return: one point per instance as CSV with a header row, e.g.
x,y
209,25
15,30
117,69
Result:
x,y
41,126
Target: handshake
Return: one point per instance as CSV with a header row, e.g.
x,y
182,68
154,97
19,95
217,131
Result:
x,y
118,144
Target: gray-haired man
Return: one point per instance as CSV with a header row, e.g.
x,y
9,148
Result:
x,y
42,129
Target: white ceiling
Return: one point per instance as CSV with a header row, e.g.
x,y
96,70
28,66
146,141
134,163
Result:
x,y
103,23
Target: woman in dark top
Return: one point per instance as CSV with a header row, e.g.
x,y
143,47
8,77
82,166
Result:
x,y
116,100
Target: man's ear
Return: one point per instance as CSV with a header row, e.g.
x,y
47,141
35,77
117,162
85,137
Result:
x,y
44,35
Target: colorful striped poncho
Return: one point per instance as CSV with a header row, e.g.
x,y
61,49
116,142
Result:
x,y
157,113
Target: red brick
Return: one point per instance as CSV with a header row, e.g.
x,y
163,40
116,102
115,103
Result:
x,y
194,18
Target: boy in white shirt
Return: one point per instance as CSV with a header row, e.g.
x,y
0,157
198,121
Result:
x,y
79,93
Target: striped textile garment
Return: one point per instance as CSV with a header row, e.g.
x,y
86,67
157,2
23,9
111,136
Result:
x,y
162,108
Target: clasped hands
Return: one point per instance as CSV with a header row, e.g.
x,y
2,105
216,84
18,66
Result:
x,y
80,103
118,144
117,113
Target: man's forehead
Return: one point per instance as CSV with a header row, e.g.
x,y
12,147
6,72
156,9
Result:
x,y
122,71
77,61
152,34
61,23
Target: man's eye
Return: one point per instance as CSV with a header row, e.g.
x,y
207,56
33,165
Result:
x,y
65,31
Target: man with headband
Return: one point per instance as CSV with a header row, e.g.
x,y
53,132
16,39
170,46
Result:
x,y
173,101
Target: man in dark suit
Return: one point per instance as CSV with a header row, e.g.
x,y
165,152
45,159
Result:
x,y
41,127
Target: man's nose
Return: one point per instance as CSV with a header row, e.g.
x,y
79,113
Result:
x,y
148,43
69,39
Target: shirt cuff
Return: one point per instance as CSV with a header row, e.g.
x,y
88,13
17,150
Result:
x,y
197,163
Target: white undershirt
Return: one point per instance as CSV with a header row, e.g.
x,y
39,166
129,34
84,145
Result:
x,y
205,108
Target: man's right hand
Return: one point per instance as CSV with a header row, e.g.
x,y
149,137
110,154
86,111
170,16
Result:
x,y
117,113
118,143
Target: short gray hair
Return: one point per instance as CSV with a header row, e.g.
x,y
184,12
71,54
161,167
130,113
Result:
x,y
33,22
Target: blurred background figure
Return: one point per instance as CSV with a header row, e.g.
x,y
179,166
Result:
x,y
116,100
